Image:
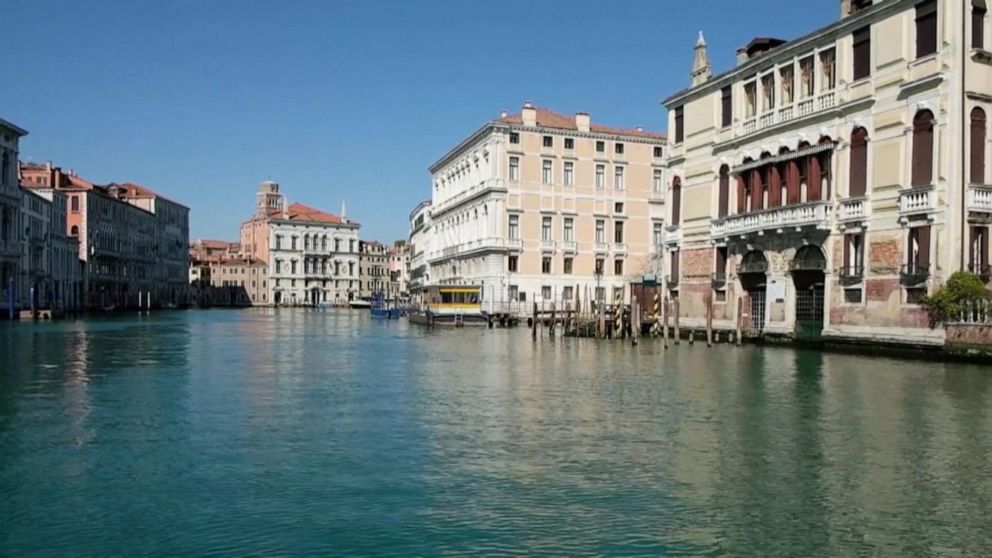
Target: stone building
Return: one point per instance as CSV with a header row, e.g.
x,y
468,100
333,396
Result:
x,y
374,267
398,258
312,255
419,247
10,205
830,181
220,275
51,275
532,205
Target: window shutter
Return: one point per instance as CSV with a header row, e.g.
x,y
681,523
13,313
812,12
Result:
x,y
859,162
977,146
862,53
679,124
774,187
676,200
727,106
926,28
978,26
723,207
985,249
792,183
675,265
922,149
847,254
813,179
923,237
741,194
756,187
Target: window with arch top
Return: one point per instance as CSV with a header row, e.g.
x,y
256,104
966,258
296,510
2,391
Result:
x,y
922,166
859,163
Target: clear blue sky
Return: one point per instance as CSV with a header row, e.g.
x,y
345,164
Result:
x,y
202,100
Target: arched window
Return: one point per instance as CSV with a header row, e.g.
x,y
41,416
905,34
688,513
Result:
x,y
724,201
676,200
978,146
859,162
922,167
74,231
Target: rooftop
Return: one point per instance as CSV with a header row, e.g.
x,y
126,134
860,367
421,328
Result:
x,y
305,214
548,118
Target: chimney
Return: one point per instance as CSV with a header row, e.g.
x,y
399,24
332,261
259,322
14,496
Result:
x,y
582,121
529,114
741,56
503,114
701,68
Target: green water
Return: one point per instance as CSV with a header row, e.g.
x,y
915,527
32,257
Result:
x,y
232,433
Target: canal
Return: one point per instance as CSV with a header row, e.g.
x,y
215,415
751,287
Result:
x,y
229,433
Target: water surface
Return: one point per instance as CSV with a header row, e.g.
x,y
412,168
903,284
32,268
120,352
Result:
x,y
228,433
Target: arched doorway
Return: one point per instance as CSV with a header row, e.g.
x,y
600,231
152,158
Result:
x,y
314,296
807,269
277,299
753,274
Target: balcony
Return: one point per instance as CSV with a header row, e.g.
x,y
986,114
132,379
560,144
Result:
x,y
917,201
514,244
752,267
813,214
979,198
547,245
601,248
769,118
914,274
569,246
619,248
850,275
673,234
852,209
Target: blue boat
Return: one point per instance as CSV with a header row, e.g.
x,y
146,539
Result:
x,y
380,309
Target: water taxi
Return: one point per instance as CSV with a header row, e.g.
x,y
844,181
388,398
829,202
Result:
x,y
451,306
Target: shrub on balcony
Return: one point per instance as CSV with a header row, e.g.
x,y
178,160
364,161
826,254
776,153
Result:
x,y
947,303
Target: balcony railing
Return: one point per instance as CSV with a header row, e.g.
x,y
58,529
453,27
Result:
x,y
601,247
619,247
826,100
752,267
914,274
569,246
786,114
980,198
514,243
808,264
673,233
718,281
917,200
852,209
850,275
800,215
805,107
548,245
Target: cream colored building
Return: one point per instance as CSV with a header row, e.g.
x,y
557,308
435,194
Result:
x,y
10,204
831,181
534,205
373,268
419,247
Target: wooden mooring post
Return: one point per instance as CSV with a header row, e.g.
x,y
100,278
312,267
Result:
x,y
533,325
740,318
664,321
635,320
709,320
656,316
678,335
554,321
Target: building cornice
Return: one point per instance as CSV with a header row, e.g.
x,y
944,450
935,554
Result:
x,y
465,144
801,45
13,128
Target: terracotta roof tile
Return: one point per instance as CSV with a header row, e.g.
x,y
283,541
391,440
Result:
x,y
550,119
307,214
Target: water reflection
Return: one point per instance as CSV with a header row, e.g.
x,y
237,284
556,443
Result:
x,y
326,432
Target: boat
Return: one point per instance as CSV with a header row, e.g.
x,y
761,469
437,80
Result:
x,y
381,309
451,306
360,303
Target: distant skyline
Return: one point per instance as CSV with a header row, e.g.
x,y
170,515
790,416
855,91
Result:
x,y
348,100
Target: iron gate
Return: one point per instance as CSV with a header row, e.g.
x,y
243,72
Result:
x,y
756,319
809,313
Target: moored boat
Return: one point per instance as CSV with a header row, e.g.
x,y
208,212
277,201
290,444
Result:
x,y
451,306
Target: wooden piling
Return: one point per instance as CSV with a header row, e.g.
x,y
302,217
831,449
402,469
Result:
x,y
740,317
635,320
709,320
675,303
554,321
533,331
664,322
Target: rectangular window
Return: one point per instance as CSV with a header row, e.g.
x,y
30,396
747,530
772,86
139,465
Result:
x,y
978,12
600,231
546,293
278,242
514,292
618,178
514,168
656,183
514,137
567,293
852,296
292,267
618,148
293,242
567,267
599,266
618,232
546,228
862,53
720,270
720,296
657,152
658,235
600,176
978,257
600,147
918,250
786,78
828,68
75,204
679,124
546,265
926,28
751,99
618,267
768,92
807,78
511,264
569,173
546,172
569,229
726,106
569,143
548,141
513,230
